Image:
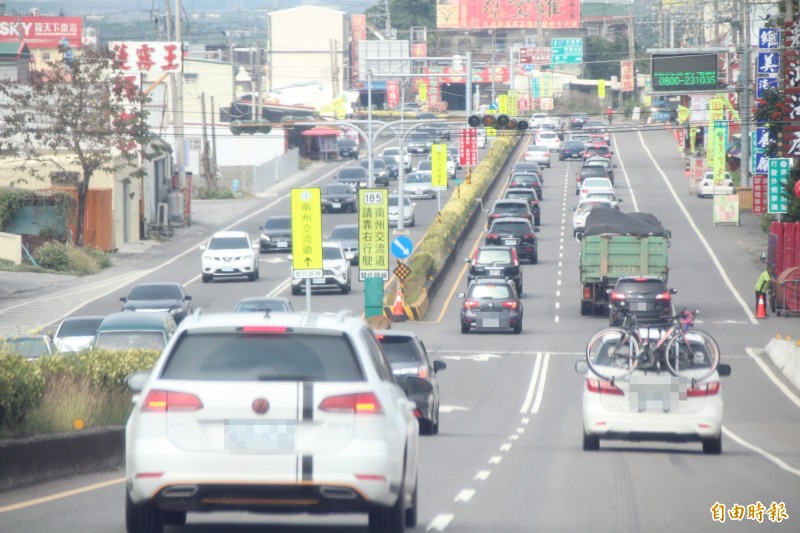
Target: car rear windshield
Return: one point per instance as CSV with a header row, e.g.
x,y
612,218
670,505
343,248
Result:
x,y
400,349
510,227
425,165
279,223
489,291
263,305
492,257
525,178
337,189
241,356
418,178
594,170
394,199
331,252
130,340
346,143
346,232
228,243
80,327
514,195
156,292
510,208
648,287
352,172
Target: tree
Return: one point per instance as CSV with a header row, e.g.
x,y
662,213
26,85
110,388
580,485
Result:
x,y
602,56
406,14
81,116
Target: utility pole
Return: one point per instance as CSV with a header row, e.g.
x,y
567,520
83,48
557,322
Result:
x,y
259,78
469,83
744,102
207,174
213,140
177,103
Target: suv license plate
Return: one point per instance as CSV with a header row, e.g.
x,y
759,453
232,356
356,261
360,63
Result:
x,y
639,306
510,242
282,244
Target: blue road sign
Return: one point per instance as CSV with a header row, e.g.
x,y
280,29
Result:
x,y
402,247
768,63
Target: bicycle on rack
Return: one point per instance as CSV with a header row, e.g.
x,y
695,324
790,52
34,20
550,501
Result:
x,y
615,352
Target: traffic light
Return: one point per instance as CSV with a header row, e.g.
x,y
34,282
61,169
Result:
x,y
501,122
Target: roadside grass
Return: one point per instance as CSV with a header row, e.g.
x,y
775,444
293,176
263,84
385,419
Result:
x,y
70,400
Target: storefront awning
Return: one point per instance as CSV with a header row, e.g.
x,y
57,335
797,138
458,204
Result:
x,y
321,131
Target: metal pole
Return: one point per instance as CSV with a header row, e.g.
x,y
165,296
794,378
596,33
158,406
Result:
x,y
744,103
401,172
370,170
308,295
180,154
469,83
491,69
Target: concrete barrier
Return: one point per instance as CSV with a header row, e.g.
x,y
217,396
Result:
x,y
785,355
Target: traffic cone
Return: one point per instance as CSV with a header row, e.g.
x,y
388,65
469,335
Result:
x,y
761,311
398,313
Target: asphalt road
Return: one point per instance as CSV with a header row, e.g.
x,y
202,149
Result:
x,y
508,457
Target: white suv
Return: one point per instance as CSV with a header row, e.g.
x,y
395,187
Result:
x,y
229,254
271,413
335,271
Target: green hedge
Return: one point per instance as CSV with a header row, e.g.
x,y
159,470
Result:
x,y
21,388
438,242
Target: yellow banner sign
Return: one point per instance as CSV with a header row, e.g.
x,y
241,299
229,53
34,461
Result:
x,y
306,233
373,234
601,88
439,167
502,104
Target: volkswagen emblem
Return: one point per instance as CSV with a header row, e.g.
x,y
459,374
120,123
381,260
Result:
x,y
260,406
491,304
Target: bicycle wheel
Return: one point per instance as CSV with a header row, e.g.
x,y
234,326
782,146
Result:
x,y
612,353
698,360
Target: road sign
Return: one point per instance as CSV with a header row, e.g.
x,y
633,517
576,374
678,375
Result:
x,y
439,167
759,194
402,247
373,234
306,233
779,168
601,88
402,271
566,51
539,55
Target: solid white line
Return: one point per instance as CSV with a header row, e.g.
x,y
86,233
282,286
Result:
x,y
625,173
532,385
482,475
763,453
440,522
464,495
542,379
703,240
771,375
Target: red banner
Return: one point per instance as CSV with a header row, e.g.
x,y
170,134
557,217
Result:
x,y
626,71
479,75
392,93
419,49
468,147
509,14
40,32
759,194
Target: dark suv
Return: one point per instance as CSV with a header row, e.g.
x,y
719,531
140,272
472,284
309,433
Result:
x,y
495,262
516,232
505,208
355,176
647,297
407,356
594,150
591,171
528,194
526,180
347,148
571,150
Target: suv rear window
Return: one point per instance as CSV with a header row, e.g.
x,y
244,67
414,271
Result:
x,y
352,172
493,256
641,287
400,349
238,356
510,227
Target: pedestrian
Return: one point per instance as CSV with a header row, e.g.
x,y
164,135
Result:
x,y
762,285
610,113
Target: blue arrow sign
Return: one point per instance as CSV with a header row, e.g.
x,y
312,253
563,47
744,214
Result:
x,y
402,247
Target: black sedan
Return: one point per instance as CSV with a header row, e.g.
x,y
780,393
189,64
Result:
x,y
169,297
409,359
526,180
516,232
347,148
276,234
338,197
491,304
495,262
528,194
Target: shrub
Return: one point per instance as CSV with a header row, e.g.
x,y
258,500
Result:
x,y
53,256
106,369
22,387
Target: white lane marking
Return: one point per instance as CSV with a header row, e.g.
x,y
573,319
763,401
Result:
x,y
525,420
520,430
558,282
763,453
513,437
560,264
464,495
506,446
440,522
556,319
559,273
532,385
60,495
542,379
771,375
558,293
558,305
452,408
482,475
561,255
702,239
495,459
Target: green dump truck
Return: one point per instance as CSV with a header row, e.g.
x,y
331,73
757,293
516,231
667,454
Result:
x,y
619,244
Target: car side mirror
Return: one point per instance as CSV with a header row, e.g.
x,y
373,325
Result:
x,y
536,230
202,247
439,365
673,291
581,367
137,380
724,370
123,299
461,294
255,246
619,200
187,297
572,208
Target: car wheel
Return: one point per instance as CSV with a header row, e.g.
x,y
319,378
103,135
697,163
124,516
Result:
x,y
143,518
174,518
535,258
586,308
295,290
425,427
346,288
518,328
713,446
207,278
253,275
591,443
389,519
537,221
413,222
411,512
464,328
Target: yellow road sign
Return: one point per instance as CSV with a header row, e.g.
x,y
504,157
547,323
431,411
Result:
x,y
439,167
306,233
601,88
373,234
502,104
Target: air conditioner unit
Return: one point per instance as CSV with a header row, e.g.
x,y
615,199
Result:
x,y
162,215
